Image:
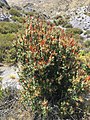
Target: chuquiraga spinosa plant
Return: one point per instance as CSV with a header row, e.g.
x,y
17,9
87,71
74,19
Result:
x,y
50,69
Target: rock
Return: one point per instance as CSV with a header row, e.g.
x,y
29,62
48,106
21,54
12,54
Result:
x,y
17,7
3,3
10,78
1,64
80,20
4,17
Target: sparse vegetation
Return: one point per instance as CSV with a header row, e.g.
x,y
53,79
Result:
x,y
7,38
63,21
87,32
87,43
7,51
7,27
30,13
74,31
17,19
60,21
68,25
12,76
87,13
15,12
1,93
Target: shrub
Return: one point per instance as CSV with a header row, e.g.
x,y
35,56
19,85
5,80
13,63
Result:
x,y
49,76
78,38
6,27
87,32
87,13
15,12
84,57
87,43
57,17
30,13
68,25
60,21
1,93
7,37
17,19
73,31
7,51
63,21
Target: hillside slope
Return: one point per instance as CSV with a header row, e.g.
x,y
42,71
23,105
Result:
x,y
50,7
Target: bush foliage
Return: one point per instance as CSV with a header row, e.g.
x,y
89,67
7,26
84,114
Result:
x,y
7,27
74,31
15,12
7,38
51,71
17,19
7,51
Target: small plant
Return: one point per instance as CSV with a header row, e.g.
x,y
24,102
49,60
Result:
x,y
63,21
0,79
73,31
1,93
30,13
87,43
84,57
17,19
68,25
7,27
12,76
87,32
7,51
7,38
60,21
87,13
58,16
15,12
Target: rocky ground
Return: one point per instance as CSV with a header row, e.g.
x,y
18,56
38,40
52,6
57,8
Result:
x,y
9,77
50,7
10,107
80,20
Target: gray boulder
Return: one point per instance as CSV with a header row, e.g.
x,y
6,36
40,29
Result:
x,y
3,3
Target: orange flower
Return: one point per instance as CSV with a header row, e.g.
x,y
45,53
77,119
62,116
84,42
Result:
x,y
40,63
64,45
87,78
31,48
73,51
72,43
42,42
